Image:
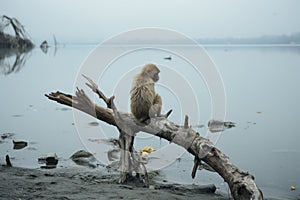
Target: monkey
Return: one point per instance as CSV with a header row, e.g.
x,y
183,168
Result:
x,y
145,102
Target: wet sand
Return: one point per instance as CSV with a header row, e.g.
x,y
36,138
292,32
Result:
x,y
69,183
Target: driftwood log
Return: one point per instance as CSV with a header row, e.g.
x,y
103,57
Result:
x,y
241,184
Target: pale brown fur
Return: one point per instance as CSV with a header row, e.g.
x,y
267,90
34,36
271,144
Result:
x,y
145,103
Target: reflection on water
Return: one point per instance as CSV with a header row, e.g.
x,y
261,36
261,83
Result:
x,y
262,87
44,46
12,60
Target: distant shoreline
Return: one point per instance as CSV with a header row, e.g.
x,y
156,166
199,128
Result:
x,y
264,40
186,45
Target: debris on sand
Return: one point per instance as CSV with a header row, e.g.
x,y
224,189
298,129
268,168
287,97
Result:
x,y
8,163
144,153
7,135
19,144
50,160
84,158
218,126
113,154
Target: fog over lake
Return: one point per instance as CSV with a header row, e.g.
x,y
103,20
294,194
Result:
x,y
254,48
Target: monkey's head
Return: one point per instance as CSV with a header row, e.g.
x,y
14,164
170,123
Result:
x,y
151,71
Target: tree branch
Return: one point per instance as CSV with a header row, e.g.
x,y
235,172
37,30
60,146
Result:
x,y
241,183
79,102
95,89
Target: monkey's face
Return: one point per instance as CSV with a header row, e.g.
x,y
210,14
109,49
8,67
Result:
x,y
151,71
155,77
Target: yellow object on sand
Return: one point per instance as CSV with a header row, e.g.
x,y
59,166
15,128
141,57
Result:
x,y
143,153
146,150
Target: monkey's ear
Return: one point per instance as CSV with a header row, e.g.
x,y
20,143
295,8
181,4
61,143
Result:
x,y
148,70
145,71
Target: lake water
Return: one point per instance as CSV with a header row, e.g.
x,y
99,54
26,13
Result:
x,y
262,88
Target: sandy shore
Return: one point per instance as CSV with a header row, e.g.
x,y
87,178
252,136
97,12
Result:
x,y
69,183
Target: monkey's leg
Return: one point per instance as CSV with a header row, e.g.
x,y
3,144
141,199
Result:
x,y
155,109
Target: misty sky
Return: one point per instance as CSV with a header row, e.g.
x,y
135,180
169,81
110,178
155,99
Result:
x,y
95,20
